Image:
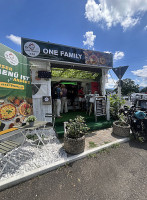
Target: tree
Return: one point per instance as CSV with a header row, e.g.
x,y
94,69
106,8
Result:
x,y
128,86
144,90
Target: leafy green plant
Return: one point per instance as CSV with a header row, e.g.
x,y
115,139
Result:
x,y
76,128
115,104
31,118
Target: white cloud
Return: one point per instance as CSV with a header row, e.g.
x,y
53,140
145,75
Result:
x,y
107,51
145,28
90,37
142,73
127,13
111,83
15,39
118,55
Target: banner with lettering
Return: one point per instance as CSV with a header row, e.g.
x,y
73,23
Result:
x,y
15,88
56,52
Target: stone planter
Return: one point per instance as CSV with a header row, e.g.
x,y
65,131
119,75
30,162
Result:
x,y
121,129
74,146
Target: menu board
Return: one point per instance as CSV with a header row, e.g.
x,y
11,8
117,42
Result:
x,y
100,106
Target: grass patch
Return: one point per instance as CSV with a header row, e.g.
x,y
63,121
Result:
x,y
93,155
106,142
92,145
114,146
105,150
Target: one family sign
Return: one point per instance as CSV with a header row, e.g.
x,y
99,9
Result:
x,y
62,53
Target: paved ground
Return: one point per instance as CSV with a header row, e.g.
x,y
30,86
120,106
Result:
x,y
100,137
116,174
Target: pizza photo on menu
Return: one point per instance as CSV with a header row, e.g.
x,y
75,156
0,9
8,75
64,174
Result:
x,y
7,112
25,109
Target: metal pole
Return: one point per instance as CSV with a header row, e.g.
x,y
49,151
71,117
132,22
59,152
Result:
x,y
119,83
119,88
108,107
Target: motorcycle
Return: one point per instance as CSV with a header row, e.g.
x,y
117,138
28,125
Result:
x,y
137,119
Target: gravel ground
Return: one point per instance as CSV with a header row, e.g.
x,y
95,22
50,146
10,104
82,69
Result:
x,y
28,157
118,173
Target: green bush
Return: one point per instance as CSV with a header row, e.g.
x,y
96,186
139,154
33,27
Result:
x,y
76,128
115,104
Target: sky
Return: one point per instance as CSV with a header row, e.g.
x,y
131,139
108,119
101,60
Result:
x,y
116,26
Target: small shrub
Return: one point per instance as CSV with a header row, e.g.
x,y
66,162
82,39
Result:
x,y
76,128
115,104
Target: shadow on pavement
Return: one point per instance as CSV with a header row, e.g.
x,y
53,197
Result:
x,y
137,144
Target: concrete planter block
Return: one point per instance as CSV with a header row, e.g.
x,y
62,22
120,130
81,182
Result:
x,y
121,129
74,146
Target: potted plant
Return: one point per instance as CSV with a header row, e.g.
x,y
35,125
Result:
x,y
31,119
121,127
74,137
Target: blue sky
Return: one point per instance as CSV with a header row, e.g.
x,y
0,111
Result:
x,y
116,26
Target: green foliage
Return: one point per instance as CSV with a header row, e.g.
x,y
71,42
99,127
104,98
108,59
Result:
x,y
76,128
144,90
129,87
122,118
115,105
73,73
31,118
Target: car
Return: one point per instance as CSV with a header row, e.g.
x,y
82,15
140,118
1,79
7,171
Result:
x,y
142,103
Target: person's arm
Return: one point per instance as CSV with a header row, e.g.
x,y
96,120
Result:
x,y
61,92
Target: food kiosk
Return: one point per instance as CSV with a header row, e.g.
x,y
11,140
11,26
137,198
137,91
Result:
x,y
51,63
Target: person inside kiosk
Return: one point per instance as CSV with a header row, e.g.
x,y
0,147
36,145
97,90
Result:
x,y
81,96
71,96
56,96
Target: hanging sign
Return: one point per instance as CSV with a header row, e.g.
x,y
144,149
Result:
x,y
15,88
46,50
46,100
